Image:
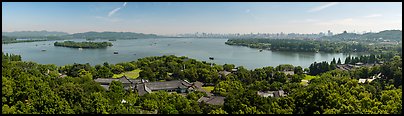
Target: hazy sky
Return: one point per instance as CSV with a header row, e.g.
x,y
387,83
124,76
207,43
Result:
x,y
179,17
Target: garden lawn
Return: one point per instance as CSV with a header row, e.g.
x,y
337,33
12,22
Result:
x,y
130,74
208,88
307,78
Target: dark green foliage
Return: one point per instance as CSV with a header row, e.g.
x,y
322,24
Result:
x,y
28,88
73,44
327,45
298,70
103,72
74,70
318,68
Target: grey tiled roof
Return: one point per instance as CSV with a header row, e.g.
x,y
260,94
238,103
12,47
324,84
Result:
x,y
167,85
224,72
141,89
105,80
105,86
213,100
123,79
198,84
134,81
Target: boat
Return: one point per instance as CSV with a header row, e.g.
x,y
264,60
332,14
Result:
x,y
260,50
115,52
211,58
43,50
80,48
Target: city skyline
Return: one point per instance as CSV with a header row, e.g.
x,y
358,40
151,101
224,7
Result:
x,y
178,18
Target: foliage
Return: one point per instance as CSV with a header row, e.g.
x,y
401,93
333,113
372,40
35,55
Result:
x,y
28,88
73,44
314,45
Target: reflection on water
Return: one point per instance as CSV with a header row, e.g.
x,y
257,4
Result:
x,y
130,50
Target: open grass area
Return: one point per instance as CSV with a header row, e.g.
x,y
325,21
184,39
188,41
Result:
x,y
307,78
303,82
130,74
208,88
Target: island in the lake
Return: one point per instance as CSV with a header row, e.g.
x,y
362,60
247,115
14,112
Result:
x,y
73,44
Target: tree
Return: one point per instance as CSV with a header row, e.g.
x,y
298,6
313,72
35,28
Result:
x,y
339,61
147,73
117,69
97,103
116,91
298,70
218,111
225,88
348,60
168,109
333,61
228,67
104,72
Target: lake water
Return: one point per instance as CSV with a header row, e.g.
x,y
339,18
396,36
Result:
x,y
200,49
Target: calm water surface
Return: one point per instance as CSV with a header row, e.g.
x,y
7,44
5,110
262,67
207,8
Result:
x,y
200,49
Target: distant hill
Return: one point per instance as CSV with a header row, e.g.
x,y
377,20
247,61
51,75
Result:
x,y
388,34
112,35
384,35
33,33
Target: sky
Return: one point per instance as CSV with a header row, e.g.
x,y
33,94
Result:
x,y
166,18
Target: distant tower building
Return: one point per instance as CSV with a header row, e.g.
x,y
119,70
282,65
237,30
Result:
x,y
329,33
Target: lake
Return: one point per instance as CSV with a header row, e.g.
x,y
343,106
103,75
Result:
x,y
200,49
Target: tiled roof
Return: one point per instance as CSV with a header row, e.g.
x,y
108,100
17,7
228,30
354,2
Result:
x,y
105,80
105,86
213,100
224,72
141,89
167,85
123,79
134,81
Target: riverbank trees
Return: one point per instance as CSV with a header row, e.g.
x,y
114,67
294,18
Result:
x,y
313,45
